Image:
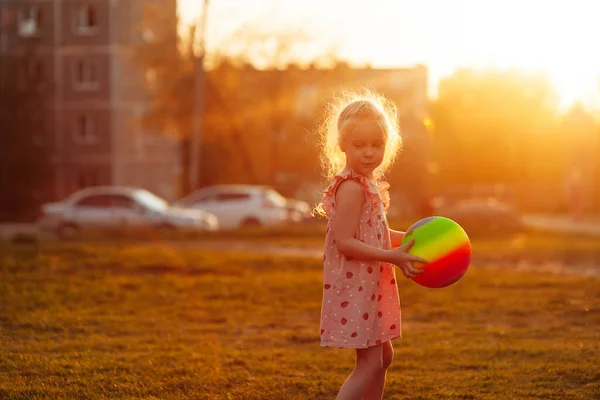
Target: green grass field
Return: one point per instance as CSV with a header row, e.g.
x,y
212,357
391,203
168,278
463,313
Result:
x,y
140,322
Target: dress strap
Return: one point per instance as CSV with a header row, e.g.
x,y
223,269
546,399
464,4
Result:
x,y
375,191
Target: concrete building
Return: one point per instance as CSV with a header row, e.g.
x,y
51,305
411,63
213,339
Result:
x,y
85,48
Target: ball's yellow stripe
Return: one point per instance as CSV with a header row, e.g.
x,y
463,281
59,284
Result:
x,y
437,246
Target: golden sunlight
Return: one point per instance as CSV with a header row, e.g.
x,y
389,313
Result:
x,y
555,38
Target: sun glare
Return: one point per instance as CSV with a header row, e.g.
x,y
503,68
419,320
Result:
x,y
556,38
189,11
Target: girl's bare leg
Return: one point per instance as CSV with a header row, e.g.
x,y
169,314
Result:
x,y
368,366
375,389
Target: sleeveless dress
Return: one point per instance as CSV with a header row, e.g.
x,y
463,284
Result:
x,y
361,306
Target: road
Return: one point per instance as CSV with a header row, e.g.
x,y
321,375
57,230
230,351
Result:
x,y
589,225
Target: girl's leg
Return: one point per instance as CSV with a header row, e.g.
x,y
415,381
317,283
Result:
x,y
375,389
368,364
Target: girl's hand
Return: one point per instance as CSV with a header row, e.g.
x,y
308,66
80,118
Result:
x,y
400,257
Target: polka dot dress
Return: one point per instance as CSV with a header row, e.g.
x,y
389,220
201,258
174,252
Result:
x,y
361,307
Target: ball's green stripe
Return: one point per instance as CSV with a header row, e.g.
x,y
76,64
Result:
x,y
435,226
436,238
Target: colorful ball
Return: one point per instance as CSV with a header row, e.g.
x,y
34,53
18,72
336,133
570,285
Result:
x,y
446,247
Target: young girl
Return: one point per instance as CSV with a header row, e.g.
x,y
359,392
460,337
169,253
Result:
x,y
361,308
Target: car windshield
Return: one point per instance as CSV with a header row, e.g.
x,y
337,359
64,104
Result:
x,y
151,201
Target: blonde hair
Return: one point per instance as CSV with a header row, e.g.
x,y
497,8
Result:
x,y
349,109
343,114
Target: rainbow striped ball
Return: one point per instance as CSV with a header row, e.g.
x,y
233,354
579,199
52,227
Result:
x,y
446,247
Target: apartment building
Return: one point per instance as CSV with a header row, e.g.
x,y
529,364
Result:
x,y
85,48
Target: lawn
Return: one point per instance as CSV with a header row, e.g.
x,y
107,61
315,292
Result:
x,y
141,322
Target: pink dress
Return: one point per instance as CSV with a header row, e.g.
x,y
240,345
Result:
x,y
361,307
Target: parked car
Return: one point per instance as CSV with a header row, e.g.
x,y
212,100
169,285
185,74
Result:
x,y
110,207
480,217
238,205
298,210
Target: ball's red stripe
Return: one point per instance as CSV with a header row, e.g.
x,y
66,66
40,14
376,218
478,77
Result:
x,y
447,269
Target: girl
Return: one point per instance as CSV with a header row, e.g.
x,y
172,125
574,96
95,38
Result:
x,y
361,308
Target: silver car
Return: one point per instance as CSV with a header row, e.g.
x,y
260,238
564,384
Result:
x,y
110,207
237,205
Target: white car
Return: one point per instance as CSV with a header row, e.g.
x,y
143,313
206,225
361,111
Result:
x,y
298,210
110,207
238,205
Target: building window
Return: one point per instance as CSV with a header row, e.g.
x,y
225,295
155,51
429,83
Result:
x,y
30,21
31,75
86,20
85,77
36,70
85,129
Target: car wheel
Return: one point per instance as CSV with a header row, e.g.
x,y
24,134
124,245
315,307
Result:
x,y
251,223
67,231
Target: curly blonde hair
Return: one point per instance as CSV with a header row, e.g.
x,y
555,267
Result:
x,y
348,109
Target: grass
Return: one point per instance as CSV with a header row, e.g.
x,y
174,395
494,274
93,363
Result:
x,y
134,322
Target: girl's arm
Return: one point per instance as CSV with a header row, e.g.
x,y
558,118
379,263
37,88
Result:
x,y
349,200
348,204
396,237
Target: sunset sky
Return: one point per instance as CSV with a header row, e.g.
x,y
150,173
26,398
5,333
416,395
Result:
x,y
558,37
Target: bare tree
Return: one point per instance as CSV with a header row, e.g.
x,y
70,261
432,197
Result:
x,y
259,101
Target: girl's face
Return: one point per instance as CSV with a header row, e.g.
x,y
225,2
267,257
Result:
x,y
364,147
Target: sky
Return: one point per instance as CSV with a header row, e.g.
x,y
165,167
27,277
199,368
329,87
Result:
x,y
558,37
